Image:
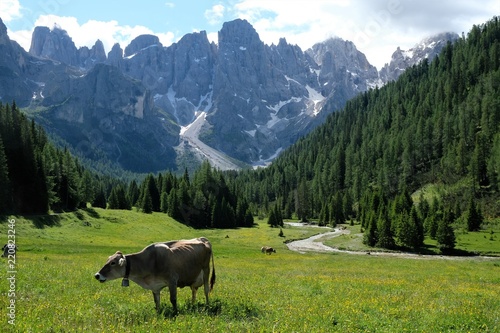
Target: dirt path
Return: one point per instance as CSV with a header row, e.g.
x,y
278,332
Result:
x,y
315,244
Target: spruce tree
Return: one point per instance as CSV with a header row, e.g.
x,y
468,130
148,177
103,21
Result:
x,y
445,235
100,198
473,217
164,202
174,205
133,193
113,201
370,236
385,237
248,218
4,181
147,203
271,220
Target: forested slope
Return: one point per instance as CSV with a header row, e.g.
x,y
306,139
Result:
x,y
35,176
438,123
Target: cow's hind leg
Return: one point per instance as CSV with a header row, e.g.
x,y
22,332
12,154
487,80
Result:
x,y
193,291
206,273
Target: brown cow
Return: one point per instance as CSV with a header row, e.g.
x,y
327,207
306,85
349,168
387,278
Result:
x,y
267,250
171,264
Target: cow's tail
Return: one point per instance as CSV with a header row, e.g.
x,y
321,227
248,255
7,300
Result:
x,y
212,279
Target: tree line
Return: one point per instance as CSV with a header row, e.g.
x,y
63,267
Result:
x,y
205,201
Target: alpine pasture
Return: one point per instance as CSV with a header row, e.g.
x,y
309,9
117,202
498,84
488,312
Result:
x,y
55,289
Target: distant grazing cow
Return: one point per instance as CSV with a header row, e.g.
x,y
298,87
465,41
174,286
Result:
x,y
171,264
8,249
267,250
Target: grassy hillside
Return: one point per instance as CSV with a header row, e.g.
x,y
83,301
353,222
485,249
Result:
x,y
284,292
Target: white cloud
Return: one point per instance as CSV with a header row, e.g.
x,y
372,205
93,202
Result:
x,y
86,34
215,14
300,23
170,4
213,37
10,10
376,27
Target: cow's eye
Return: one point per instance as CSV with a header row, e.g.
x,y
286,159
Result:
x,y
113,263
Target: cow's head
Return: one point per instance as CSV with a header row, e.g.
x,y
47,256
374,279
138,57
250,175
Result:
x,y
113,269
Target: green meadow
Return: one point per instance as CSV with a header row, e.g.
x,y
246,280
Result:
x,y
55,289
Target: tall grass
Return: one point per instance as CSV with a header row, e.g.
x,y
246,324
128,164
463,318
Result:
x,y
284,292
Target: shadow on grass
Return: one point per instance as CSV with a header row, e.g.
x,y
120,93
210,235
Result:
x,y
216,307
433,250
91,212
42,221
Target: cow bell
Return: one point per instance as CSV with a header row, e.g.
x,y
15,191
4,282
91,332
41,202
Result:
x,y
125,283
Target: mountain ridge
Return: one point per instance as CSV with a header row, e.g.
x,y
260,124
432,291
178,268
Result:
x,y
258,99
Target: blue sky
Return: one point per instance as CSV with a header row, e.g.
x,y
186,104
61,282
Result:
x,y
377,27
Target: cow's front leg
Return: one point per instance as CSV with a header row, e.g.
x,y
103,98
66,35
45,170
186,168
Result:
x,y
173,295
156,296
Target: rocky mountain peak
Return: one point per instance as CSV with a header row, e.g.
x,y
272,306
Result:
x,y
427,48
54,44
343,53
90,57
3,32
238,32
345,71
115,56
141,42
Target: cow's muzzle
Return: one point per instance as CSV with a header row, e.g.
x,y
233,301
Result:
x,y
100,277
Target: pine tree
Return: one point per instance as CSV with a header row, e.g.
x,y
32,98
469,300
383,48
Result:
x,y
474,217
324,215
133,193
406,232
217,215
445,235
279,216
186,208
385,237
419,226
69,190
117,198
4,182
370,236
100,198
302,203
337,210
87,187
174,205
149,185
113,202
164,202
147,203
271,220
248,219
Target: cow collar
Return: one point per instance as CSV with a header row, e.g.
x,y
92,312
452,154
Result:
x,y
127,272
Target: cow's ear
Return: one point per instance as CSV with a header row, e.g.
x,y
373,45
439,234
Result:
x,y
119,252
122,261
